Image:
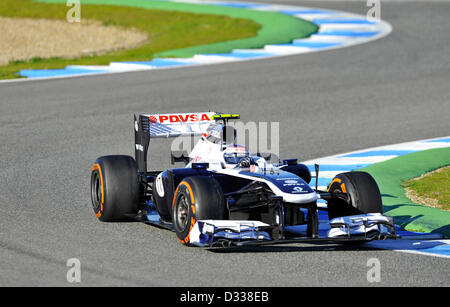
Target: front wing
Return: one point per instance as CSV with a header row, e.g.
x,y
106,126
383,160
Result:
x,y
227,233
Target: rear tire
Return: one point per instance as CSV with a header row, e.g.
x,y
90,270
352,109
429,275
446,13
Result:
x,y
115,188
364,195
197,198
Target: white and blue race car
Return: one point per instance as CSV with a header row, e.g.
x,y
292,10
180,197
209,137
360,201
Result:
x,y
224,196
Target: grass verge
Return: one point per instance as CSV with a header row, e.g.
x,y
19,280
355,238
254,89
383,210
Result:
x,y
391,174
432,189
166,30
276,28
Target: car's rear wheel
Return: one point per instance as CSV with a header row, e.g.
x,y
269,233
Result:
x,y
114,188
364,195
197,198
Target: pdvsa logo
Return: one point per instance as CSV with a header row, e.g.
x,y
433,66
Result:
x,y
184,118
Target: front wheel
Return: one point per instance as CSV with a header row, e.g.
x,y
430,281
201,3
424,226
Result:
x,y
363,191
197,198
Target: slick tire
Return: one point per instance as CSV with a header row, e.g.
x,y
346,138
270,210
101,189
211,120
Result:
x,y
115,188
197,198
364,195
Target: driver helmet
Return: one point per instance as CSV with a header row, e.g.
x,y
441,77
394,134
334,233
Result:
x,y
221,134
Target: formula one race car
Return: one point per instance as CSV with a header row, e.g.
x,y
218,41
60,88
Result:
x,y
226,197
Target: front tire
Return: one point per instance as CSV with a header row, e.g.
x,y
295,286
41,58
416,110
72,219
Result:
x,y
197,198
364,195
114,188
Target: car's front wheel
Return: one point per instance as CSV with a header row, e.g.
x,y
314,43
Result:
x,y
362,189
197,198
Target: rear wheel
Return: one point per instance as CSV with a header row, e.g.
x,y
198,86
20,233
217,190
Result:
x,y
364,195
197,198
114,188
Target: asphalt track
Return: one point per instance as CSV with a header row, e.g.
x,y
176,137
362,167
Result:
x,y
392,90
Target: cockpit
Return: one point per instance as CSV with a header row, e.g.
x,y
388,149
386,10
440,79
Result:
x,y
226,136
234,154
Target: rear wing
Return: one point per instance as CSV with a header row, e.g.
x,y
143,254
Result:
x,y
150,126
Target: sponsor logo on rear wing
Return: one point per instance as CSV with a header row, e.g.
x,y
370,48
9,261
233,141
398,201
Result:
x,y
179,124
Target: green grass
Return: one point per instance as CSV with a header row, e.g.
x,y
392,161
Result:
x,y
276,28
167,30
390,176
435,185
